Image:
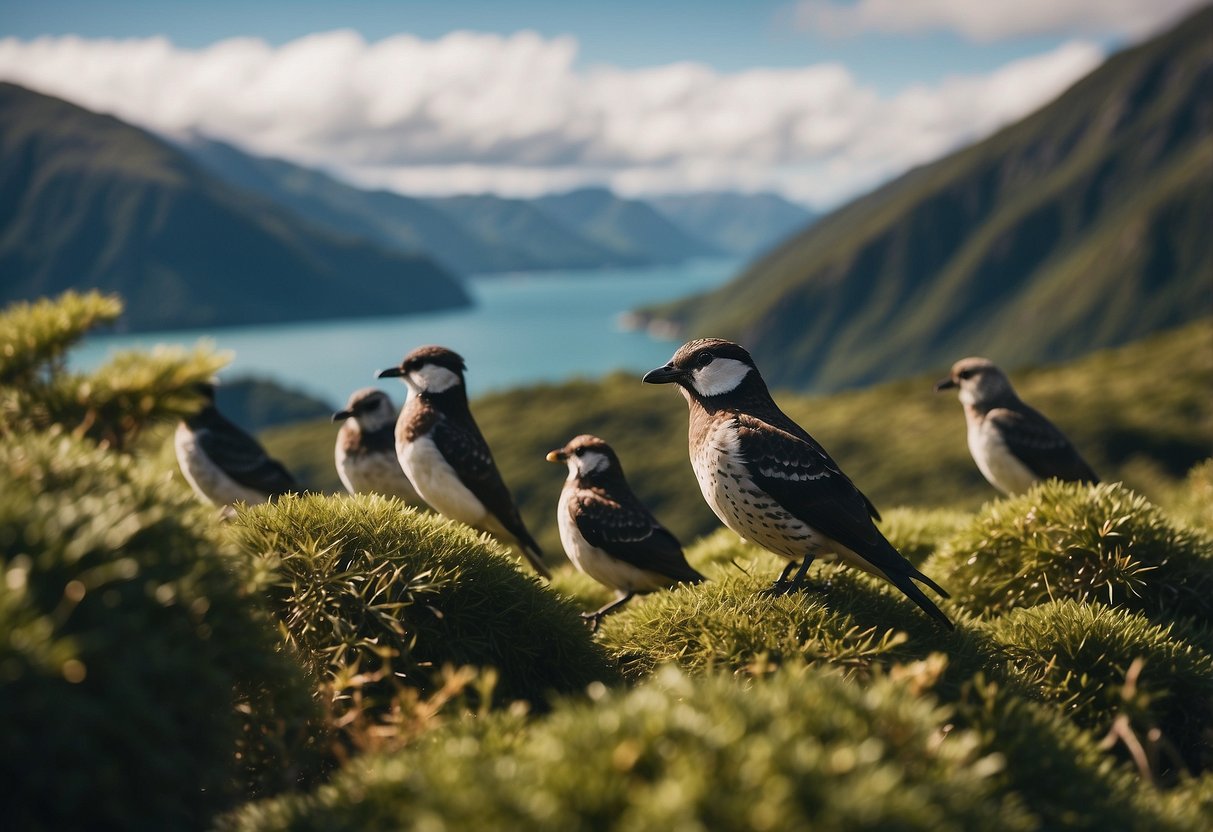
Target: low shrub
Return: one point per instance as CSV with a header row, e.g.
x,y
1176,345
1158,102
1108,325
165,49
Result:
x,y
917,533
140,686
1089,543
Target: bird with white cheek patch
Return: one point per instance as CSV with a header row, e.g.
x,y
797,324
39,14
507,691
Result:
x,y
365,453
444,455
608,533
1013,445
770,482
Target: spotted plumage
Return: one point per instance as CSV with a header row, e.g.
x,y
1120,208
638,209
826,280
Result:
x,y
769,481
223,464
365,452
444,455
1013,445
608,533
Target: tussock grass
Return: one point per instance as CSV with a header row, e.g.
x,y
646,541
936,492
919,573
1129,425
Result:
x,y
1081,657
1066,540
378,597
140,685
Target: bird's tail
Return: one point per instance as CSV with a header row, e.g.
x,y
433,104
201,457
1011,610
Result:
x,y
533,554
905,583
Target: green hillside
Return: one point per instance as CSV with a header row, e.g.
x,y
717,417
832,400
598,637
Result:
x,y
1084,225
1142,413
88,201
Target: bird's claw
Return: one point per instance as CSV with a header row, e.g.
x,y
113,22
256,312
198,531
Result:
x,y
593,619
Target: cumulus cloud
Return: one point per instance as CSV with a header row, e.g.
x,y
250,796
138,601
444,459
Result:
x,y
514,114
989,20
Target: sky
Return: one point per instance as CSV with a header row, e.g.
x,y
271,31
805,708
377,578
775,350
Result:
x,y
816,99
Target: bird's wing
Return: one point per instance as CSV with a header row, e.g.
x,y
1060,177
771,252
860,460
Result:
x,y
1039,445
243,459
626,531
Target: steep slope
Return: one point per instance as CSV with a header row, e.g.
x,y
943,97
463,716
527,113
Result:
x,y
88,201
1084,225
739,223
626,226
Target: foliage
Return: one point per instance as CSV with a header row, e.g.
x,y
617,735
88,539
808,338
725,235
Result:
x,y
792,751
1066,540
1080,656
140,686
379,597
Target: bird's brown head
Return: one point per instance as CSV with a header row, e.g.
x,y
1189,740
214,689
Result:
x,y
707,368
370,406
586,456
978,379
429,369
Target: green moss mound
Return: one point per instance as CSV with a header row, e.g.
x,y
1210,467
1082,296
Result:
x,y
378,596
1081,657
1066,540
918,533
792,751
140,688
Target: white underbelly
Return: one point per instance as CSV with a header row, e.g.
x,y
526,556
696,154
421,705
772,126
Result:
x,y
996,462
438,484
207,479
614,574
378,473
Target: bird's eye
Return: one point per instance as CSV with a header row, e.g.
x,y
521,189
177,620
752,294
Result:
x,y
965,374
704,359
579,451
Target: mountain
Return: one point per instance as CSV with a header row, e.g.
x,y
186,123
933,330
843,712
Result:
x,y
1084,225
741,224
88,201
626,226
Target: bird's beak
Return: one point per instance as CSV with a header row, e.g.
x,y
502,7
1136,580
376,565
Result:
x,y
342,415
556,456
390,372
664,375
945,384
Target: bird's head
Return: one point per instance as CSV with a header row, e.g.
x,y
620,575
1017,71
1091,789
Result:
x,y
979,381
586,456
429,370
370,407
707,368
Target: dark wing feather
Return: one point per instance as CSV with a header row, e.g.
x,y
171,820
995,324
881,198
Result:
x,y
628,532
1038,444
243,459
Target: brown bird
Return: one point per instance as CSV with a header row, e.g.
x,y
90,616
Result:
x,y
608,533
772,483
1013,445
445,456
365,453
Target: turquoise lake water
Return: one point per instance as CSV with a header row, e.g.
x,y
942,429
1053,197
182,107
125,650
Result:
x,y
524,328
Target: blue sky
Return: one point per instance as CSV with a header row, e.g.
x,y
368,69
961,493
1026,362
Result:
x,y
815,99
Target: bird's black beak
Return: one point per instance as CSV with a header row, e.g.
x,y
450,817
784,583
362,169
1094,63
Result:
x,y
664,375
342,415
945,384
390,372
556,456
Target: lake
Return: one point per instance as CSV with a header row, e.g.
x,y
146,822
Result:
x,y
525,328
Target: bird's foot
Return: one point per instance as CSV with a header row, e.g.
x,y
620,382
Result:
x,y
592,620
790,587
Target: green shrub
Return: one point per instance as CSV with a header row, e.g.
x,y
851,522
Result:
x,y
1066,540
139,686
1192,500
917,533
372,591
1079,656
796,750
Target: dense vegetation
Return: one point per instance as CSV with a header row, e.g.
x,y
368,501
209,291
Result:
x,y
1094,209
347,663
1142,414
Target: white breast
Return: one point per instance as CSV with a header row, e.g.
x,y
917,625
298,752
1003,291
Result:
x,y
206,478
375,473
617,575
995,461
438,484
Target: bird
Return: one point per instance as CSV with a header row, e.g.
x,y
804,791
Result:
x,y
445,456
608,533
770,482
222,463
1013,445
366,448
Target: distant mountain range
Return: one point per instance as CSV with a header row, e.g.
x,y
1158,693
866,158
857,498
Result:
x,y
88,201
585,228
1087,224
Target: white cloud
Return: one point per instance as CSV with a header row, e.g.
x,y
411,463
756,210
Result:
x,y
989,20
475,112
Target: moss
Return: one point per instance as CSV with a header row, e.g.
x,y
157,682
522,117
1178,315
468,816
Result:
x,y
371,590
917,533
1066,540
140,686
1081,657
796,750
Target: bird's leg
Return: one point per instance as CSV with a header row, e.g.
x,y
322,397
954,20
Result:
x,y
595,618
798,582
780,586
